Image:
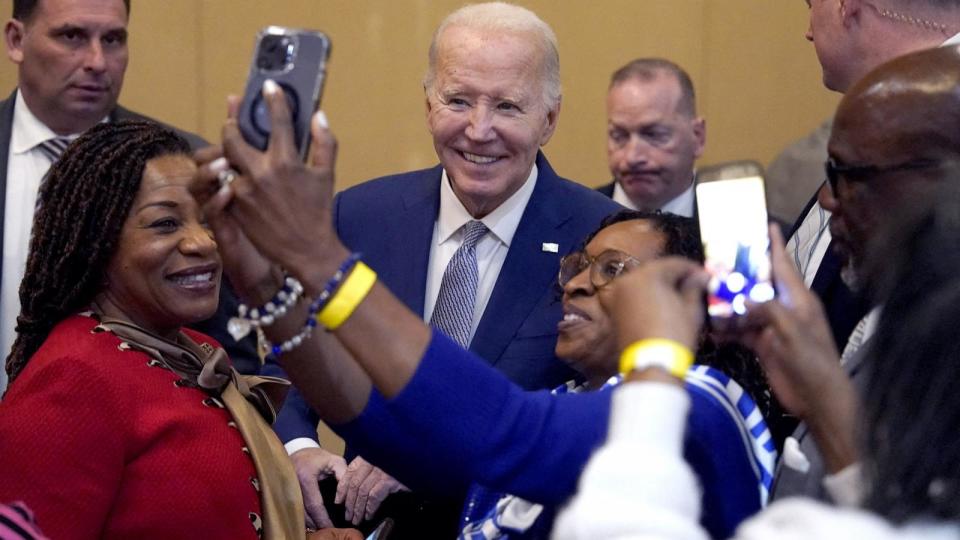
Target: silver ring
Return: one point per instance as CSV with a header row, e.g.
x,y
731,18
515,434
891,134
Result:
x,y
226,177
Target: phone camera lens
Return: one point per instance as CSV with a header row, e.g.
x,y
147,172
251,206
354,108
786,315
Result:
x,y
275,53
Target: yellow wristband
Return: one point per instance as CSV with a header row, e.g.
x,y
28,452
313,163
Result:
x,y
354,289
673,357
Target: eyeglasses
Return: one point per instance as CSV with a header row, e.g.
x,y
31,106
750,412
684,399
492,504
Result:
x,y
836,169
603,268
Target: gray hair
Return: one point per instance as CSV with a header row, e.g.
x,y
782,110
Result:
x,y
504,17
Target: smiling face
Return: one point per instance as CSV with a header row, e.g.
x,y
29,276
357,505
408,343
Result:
x,y
71,56
486,112
587,340
652,142
166,269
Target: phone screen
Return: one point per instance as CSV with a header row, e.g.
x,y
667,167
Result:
x,y
733,227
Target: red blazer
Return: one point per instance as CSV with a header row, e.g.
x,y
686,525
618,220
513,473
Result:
x,y
101,444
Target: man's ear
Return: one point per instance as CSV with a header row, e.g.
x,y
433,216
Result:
x,y
700,134
428,107
850,11
553,115
13,34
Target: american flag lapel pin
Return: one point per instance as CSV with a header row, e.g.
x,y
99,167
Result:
x,y
550,247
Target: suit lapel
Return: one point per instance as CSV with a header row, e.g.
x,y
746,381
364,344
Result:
x,y
528,271
412,236
6,131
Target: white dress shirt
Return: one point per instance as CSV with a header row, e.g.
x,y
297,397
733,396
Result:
x,y
681,205
26,167
491,249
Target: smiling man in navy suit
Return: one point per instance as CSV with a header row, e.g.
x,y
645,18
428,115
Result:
x,y
492,100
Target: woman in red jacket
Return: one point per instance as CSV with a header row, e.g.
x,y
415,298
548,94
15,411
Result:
x,y
120,423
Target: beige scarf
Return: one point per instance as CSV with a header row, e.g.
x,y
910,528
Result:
x,y
244,397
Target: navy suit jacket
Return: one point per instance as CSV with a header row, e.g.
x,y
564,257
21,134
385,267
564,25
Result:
x,y
391,220
243,353
607,189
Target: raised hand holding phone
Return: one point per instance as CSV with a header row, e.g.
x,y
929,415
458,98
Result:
x,y
732,212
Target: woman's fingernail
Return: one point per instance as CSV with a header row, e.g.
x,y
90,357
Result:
x,y
270,86
321,119
219,164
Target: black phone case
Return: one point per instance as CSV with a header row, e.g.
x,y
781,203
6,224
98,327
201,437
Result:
x,y
301,79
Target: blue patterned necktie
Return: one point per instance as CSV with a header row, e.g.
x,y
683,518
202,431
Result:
x,y
453,313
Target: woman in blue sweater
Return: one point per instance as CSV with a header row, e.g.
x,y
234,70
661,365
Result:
x,y
408,398
726,441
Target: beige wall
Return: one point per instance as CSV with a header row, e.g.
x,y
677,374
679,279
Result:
x,y
757,79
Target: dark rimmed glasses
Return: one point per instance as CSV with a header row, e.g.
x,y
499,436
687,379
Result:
x,y
835,169
603,268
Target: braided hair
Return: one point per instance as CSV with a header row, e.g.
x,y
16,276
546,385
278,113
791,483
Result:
x,y
682,238
84,202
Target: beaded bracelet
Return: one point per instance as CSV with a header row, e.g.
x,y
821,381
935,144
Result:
x,y
332,286
275,308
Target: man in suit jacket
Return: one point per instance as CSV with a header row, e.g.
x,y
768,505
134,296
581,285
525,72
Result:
x,y
887,148
850,40
493,100
654,136
71,57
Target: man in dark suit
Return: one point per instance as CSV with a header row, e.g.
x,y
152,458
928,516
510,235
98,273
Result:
x,y
493,98
654,136
71,56
850,42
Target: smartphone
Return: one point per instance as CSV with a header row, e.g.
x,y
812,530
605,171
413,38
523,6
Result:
x,y
382,530
732,210
297,61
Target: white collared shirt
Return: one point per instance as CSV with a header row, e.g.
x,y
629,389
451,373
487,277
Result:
x,y
681,205
491,249
26,167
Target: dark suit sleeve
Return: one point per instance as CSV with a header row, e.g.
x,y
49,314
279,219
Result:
x,y
195,141
296,419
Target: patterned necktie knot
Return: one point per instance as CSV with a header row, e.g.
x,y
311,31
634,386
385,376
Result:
x,y
453,313
53,148
472,233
